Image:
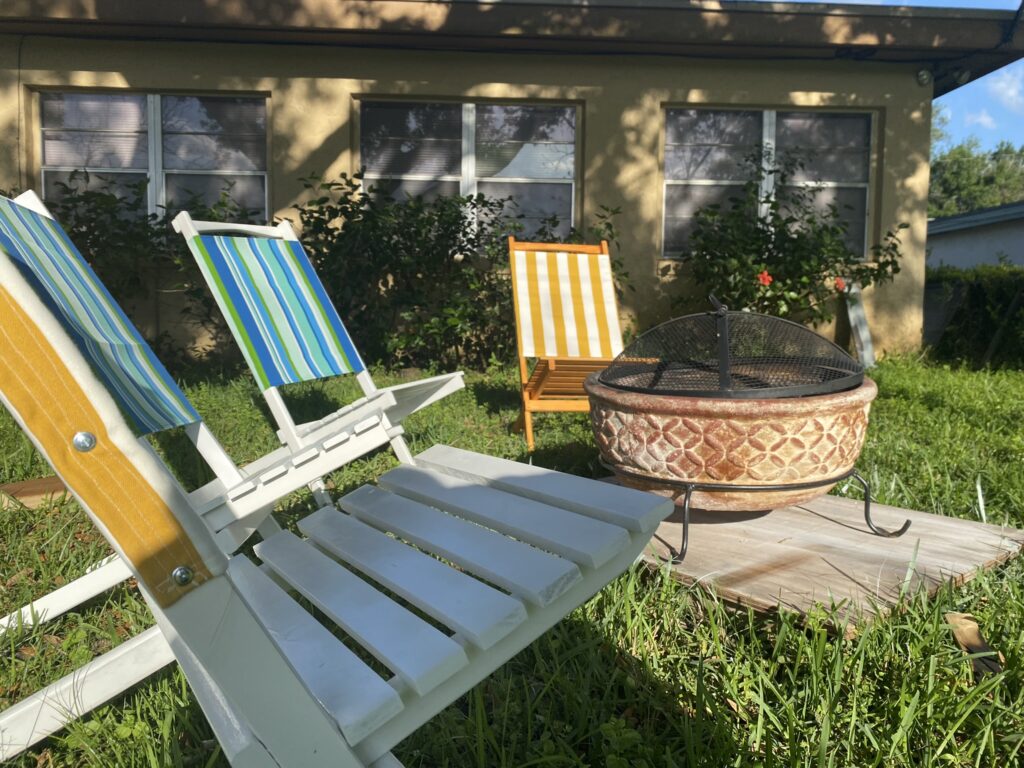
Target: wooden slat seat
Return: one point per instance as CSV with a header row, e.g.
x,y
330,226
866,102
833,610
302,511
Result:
x,y
561,381
285,471
631,509
482,546
577,538
480,613
530,574
326,667
418,653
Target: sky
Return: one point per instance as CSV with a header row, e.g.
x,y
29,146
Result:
x,y
990,108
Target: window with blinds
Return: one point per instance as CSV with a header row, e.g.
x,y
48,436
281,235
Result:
x,y
705,151
184,146
523,152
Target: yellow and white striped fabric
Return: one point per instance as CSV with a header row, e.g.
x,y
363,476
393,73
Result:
x,y
565,304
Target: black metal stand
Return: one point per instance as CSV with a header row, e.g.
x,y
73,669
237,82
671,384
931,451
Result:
x,y
689,488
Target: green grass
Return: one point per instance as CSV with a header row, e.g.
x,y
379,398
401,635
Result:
x,y
649,673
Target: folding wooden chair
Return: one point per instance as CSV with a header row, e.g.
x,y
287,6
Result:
x,y
494,552
140,384
567,318
288,329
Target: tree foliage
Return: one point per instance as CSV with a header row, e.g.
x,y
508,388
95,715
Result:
x,y
966,178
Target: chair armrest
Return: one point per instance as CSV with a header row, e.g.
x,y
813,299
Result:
x,y
371,406
417,395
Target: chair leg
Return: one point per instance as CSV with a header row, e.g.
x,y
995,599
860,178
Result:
x,y
528,426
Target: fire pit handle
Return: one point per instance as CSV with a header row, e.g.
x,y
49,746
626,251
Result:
x,y
867,511
722,322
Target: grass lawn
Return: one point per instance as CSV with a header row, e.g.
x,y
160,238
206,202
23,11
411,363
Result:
x,y
648,673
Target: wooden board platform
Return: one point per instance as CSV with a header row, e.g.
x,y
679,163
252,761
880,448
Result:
x,y
31,493
822,553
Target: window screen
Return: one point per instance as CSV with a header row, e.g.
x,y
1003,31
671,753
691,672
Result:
x,y
207,145
519,151
705,151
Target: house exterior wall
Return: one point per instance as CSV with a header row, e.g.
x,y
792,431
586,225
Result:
x,y
984,244
313,94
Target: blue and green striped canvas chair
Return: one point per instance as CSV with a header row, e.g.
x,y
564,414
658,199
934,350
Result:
x,y
288,329
443,570
237,502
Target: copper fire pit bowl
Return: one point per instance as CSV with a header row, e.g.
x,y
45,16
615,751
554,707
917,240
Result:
x,y
648,437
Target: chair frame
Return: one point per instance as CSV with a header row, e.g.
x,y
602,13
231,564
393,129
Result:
x,y
555,384
48,710
392,403
254,667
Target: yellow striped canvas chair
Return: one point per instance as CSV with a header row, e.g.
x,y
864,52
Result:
x,y
444,569
567,320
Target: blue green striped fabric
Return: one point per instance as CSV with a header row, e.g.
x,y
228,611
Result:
x,y
277,308
120,356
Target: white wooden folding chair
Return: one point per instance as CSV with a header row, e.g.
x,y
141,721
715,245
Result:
x,y
493,551
287,328
153,402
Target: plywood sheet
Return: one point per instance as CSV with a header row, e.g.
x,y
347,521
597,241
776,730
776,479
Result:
x,y
822,553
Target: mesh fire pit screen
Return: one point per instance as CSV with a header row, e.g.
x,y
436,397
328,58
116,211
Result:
x,y
732,355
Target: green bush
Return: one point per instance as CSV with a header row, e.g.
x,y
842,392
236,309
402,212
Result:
x,y
987,328
133,251
778,253
413,280
420,282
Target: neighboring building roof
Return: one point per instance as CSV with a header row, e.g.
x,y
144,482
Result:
x,y
980,218
955,44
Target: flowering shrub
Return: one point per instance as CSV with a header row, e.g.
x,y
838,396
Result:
x,y
780,253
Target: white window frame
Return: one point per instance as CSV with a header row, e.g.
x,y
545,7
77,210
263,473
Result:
x,y
467,177
156,193
768,129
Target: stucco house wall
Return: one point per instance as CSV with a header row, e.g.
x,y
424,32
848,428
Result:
x,y
314,93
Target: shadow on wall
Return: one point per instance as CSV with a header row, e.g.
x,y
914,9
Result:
x,y
624,155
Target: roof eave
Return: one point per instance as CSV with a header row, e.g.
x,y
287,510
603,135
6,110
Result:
x,y
953,43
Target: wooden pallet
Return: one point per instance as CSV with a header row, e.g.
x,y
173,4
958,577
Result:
x,y
821,553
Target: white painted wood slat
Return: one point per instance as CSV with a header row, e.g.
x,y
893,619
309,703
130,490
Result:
x,y
581,539
634,510
419,654
482,614
355,696
47,711
103,576
530,574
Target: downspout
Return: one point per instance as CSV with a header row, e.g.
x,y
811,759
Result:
x,y
1011,27
20,119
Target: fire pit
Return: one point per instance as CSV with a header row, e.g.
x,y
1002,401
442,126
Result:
x,y
734,411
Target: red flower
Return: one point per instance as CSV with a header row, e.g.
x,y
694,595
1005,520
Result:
x,y
764,278
840,284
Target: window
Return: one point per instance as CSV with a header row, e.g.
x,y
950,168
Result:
x,y
526,152
705,149
184,145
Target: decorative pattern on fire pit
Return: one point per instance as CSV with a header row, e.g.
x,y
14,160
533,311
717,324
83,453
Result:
x,y
742,451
